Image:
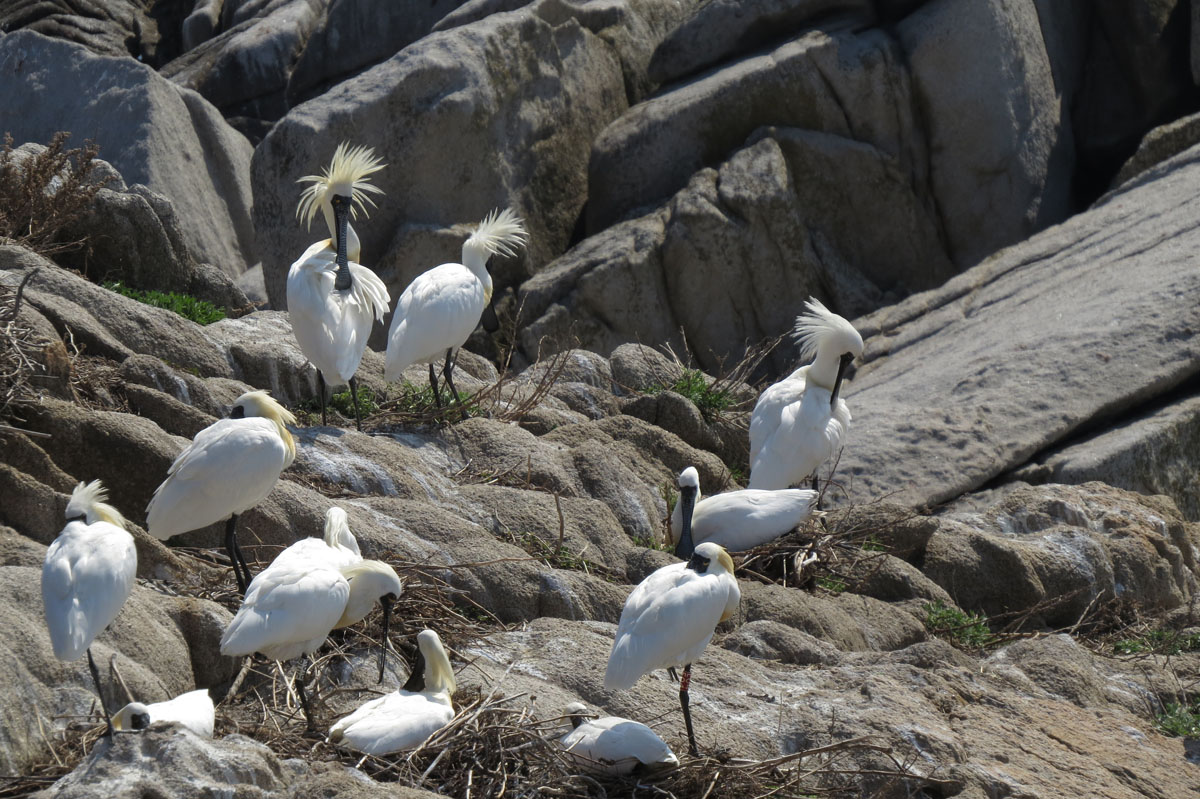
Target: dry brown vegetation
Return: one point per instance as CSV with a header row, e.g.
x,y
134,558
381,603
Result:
x,y
44,193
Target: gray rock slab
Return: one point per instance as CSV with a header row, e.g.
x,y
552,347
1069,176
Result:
x,y
106,323
854,86
1160,144
1002,169
722,30
1082,323
152,131
1154,454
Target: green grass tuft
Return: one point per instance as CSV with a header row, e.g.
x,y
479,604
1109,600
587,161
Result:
x,y
202,312
968,630
343,402
1160,642
693,385
1180,720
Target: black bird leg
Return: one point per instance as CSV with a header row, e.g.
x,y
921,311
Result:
x,y
241,569
321,391
99,693
684,681
446,372
354,395
437,398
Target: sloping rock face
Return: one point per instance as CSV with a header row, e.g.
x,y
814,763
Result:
x,y
152,132
1033,349
476,511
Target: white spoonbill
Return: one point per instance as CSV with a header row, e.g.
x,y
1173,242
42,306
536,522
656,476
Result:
x,y
87,576
193,710
228,468
405,717
670,617
337,548
293,605
437,312
614,745
333,301
799,422
738,520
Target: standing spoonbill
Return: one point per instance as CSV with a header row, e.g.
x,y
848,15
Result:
x,y
333,301
307,592
193,710
613,745
669,619
228,468
441,307
407,716
87,576
799,422
738,520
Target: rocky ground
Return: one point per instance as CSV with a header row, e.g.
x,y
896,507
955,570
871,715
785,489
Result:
x,y
1025,438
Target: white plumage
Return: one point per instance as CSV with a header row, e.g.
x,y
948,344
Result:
x,y
293,604
800,422
441,307
403,718
336,549
741,520
193,710
670,617
614,745
88,574
229,467
333,302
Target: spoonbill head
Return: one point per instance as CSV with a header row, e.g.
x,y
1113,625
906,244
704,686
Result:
x,y
739,520
800,422
614,745
669,619
229,467
441,307
193,710
87,575
341,190
406,717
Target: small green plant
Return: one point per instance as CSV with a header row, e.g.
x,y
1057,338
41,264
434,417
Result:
x,y
693,385
1160,642
834,584
417,403
873,544
968,630
552,555
202,312
1180,720
343,402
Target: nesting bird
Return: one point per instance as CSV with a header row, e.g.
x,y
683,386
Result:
x,y
670,617
441,307
406,717
799,422
737,520
87,576
229,467
614,745
193,710
311,588
333,301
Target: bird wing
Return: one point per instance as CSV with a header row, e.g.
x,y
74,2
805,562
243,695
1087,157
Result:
x,y
288,610
741,520
764,419
88,574
798,446
193,710
230,467
436,313
397,721
667,621
618,744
